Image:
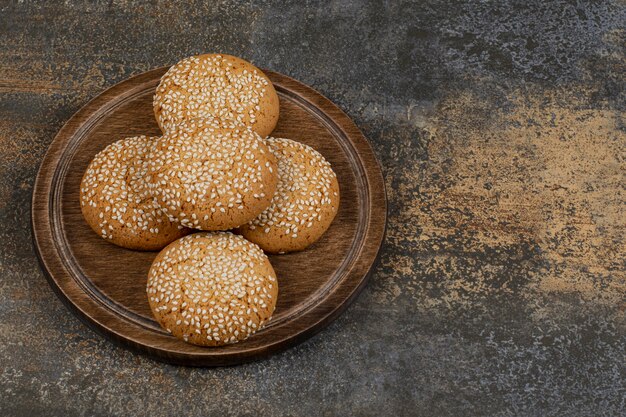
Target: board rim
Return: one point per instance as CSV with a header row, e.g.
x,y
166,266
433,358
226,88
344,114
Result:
x,y
61,281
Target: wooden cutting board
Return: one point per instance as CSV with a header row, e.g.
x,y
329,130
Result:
x,y
105,284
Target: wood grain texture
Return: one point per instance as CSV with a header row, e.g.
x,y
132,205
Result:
x,y
105,284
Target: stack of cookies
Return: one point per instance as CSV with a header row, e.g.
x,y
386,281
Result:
x,y
217,193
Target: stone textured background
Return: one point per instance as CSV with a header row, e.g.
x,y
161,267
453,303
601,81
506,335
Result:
x,y
500,129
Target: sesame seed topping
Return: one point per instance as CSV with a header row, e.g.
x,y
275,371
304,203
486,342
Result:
x,y
305,191
209,174
211,85
115,196
227,284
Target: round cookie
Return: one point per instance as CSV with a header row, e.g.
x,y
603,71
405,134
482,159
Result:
x,y
115,200
212,289
305,203
216,85
212,174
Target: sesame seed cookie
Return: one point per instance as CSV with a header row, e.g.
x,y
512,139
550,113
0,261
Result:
x,y
115,200
212,289
216,85
212,174
305,203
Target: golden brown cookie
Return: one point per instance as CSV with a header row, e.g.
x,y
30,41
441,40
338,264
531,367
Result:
x,y
216,85
212,174
115,201
212,289
305,203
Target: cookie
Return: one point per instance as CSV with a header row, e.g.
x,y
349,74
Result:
x,y
305,203
212,289
216,85
115,200
212,174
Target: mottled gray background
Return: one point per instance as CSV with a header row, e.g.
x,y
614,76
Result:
x,y
500,129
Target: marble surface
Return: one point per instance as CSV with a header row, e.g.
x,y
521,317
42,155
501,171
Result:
x,y
500,129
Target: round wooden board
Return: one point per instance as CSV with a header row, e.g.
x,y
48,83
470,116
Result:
x,y
105,284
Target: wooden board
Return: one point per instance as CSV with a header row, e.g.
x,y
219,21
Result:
x,y
105,284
